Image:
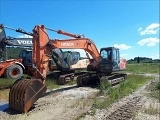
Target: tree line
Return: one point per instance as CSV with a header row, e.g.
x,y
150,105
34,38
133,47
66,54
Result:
x,y
143,60
12,52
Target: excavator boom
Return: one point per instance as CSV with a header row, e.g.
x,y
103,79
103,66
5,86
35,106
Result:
x,y
24,93
78,43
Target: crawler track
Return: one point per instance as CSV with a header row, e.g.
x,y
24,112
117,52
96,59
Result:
x,y
114,78
90,78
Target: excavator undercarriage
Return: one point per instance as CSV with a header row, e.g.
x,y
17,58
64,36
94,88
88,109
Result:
x,y
114,78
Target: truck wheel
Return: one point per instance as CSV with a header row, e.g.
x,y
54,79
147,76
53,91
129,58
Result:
x,y
14,72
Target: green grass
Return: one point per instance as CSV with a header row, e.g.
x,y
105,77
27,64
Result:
x,y
50,81
144,68
6,82
157,86
134,68
154,89
51,84
125,88
155,94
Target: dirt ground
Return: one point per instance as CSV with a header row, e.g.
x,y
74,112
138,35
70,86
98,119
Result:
x,y
70,102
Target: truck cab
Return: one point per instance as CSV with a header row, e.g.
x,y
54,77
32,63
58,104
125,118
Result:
x,y
26,56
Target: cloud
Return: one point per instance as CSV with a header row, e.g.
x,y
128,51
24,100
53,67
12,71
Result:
x,y
140,29
155,56
148,41
24,36
122,55
149,30
122,46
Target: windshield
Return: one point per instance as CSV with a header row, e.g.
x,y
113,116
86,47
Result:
x,y
106,54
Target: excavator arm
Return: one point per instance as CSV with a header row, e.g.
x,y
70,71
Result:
x,y
80,43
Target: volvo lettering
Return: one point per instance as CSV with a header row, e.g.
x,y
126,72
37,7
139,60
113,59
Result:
x,y
24,42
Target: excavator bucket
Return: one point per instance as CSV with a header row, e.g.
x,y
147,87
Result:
x,y
24,93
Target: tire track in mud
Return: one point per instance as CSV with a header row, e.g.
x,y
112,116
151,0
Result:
x,y
126,111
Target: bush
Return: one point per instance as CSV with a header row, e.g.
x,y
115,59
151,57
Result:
x,y
158,86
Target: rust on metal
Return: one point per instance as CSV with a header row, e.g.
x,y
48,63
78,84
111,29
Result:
x,y
24,93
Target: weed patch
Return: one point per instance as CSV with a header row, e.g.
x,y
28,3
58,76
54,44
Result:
x,y
126,87
51,84
158,86
154,90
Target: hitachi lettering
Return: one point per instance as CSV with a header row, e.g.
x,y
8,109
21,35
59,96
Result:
x,y
24,42
67,44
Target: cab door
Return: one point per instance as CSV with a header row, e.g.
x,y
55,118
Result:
x,y
115,59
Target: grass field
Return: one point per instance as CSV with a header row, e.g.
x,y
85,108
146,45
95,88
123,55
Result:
x,y
114,93
134,68
6,82
144,68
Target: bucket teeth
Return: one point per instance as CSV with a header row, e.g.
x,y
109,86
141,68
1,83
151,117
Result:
x,y
24,93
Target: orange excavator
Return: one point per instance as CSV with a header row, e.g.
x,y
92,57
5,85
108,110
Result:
x,y
24,93
64,62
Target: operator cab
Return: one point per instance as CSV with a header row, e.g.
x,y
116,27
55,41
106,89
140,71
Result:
x,y
62,60
75,57
70,58
110,60
26,56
